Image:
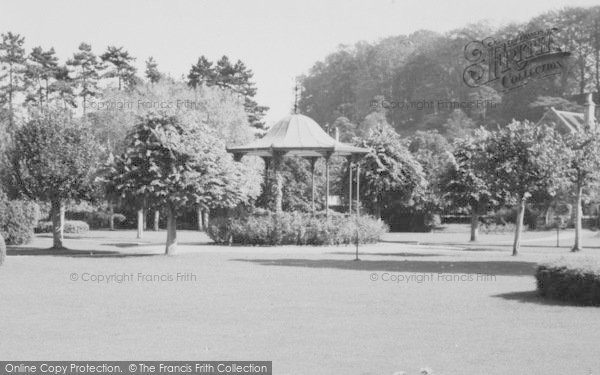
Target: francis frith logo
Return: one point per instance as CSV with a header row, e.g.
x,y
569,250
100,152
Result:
x,y
514,62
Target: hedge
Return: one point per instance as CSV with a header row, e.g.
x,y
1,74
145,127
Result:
x,y
18,220
71,226
295,228
575,280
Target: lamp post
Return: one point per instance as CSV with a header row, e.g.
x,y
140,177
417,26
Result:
x,y
357,206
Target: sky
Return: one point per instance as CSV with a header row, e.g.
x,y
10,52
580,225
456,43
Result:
x,y
277,39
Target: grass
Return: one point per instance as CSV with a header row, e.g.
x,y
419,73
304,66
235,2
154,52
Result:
x,y
311,310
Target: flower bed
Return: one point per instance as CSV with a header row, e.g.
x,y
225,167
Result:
x,y
295,228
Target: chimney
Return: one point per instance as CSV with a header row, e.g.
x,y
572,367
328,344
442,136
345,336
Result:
x,y
588,112
337,134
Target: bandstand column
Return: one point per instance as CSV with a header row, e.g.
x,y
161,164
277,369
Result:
x,y
327,157
357,189
313,161
350,185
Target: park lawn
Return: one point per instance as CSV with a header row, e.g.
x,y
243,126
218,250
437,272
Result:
x,y
310,310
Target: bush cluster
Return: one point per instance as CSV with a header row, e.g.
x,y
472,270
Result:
x,y
295,228
101,219
71,226
575,280
17,220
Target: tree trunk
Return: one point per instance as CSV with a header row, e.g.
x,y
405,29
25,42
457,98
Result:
x,y
578,216
171,246
199,218
519,226
156,220
56,212
2,250
474,226
111,220
140,223
205,218
547,216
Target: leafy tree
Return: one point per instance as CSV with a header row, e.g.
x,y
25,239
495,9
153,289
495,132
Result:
x,y
347,129
466,184
174,163
434,153
54,159
41,70
87,69
524,159
458,125
152,72
583,171
389,174
13,61
121,65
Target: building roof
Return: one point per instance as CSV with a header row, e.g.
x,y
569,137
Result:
x,y
569,121
296,135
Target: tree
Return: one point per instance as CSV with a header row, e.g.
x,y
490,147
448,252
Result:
x,y
2,249
583,171
121,66
87,69
202,73
63,86
235,77
41,69
13,60
152,72
465,184
346,129
389,173
434,153
174,163
458,125
524,159
54,158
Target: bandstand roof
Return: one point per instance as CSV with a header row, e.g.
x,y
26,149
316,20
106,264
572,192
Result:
x,y
297,135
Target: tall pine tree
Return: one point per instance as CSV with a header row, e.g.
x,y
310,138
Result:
x,y
87,68
12,75
41,71
120,66
152,72
202,72
235,77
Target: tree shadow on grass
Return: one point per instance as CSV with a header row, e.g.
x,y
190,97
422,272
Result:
x,y
129,244
497,268
485,246
533,296
403,254
70,236
142,243
34,251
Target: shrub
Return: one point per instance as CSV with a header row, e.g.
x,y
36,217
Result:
x,y
575,280
2,250
494,228
71,226
295,228
17,220
101,219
